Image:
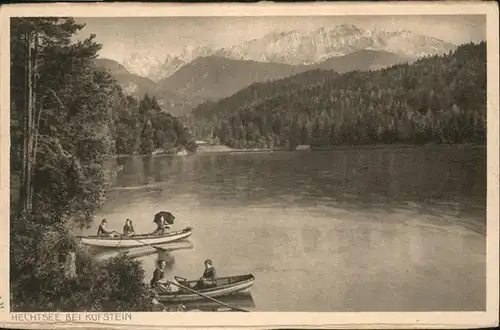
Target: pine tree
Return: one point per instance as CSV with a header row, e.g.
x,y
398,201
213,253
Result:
x,y
61,121
64,107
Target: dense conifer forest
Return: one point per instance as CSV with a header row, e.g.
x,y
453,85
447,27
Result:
x,y
141,127
437,99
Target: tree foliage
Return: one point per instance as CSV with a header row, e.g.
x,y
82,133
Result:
x,y
437,99
64,121
62,129
142,128
39,259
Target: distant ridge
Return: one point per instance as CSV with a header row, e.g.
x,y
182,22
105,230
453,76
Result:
x,y
131,83
138,86
436,99
362,60
213,78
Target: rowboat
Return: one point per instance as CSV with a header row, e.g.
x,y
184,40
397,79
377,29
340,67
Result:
x,y
135,240
224,286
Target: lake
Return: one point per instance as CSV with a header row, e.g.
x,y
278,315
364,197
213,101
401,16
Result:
x,y
368,229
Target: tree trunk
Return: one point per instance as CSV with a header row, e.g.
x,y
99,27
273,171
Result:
x,y
33,124
70,265
29,126
26,174
26,167
22,190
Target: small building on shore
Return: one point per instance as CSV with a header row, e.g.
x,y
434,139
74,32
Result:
x,y
303,147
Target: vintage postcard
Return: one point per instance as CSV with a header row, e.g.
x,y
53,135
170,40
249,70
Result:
x,y
299,165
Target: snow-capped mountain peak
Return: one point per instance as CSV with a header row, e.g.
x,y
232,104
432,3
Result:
x,y
296,47
143,64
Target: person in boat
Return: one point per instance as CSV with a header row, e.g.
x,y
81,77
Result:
x,y
209,277
161,227
128,229
103,231
158,280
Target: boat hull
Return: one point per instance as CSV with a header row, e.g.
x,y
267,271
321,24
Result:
x,y
242,286
142,251
135,241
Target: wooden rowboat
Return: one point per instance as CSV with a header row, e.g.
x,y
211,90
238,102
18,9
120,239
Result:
x,y
224,286
136,240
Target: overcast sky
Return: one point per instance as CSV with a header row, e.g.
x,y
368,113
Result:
x,y
157,35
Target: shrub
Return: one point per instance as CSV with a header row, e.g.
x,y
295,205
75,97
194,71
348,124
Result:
x,y
40,280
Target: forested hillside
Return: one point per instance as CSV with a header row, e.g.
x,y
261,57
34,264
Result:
x,y
138,86
141,127
438,99
204,118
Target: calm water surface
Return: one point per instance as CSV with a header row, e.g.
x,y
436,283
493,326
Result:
x,y
346,230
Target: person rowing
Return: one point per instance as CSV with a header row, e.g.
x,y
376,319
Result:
x,y
102,231
158,281
209,277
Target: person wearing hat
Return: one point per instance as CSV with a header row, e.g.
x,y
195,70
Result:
x,y
103,231
209,277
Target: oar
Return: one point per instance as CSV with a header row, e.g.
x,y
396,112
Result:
x,y
209,298
138,240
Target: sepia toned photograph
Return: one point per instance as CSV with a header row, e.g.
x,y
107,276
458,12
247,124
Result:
x,y
320,163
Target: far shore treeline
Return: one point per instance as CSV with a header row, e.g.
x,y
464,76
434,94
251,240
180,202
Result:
x,y
438,99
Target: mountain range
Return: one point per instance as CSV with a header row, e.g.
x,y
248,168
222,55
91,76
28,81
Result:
x,y
136,86
200,74
213,77
155,68
296,48
438,99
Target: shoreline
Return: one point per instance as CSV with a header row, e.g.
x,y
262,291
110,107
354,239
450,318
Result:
x,y
397,146
226,149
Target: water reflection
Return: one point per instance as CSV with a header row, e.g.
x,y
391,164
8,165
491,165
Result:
x,y
348,230
238,300
143,171
351,178
163,250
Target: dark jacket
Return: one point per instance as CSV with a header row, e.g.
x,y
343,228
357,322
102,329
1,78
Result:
x,y
210,274
128,230
102,232
157,276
